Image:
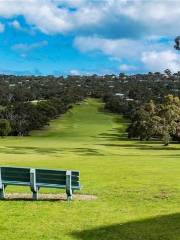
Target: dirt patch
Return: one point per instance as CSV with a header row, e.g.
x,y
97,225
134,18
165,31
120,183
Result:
x,y
162,195
49,197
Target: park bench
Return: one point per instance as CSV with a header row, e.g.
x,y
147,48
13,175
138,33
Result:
x,y
38,178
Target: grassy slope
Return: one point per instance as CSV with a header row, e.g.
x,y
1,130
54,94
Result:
x,y
137,184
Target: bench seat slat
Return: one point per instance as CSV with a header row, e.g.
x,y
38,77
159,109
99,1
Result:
x,y
18,179
55,170
14,170
20,176
50,181
47,178
15,183
50,174
44,175
56,177
56,186
52,178
15,175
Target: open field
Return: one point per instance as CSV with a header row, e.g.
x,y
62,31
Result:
x,y
137,184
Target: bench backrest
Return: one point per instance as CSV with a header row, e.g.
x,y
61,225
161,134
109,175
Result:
x,y
43,177
56,177
13,174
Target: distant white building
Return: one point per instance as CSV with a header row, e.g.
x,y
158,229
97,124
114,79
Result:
x,y
119,94
129,99
12,85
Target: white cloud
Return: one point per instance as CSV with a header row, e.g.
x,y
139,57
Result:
x,y
158,16
127,68
43,14
117,48
24,48
56,16
2,27
74,72
159,61
49,17
15,24
149,54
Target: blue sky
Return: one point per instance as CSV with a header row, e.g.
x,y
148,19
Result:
x,y
88,36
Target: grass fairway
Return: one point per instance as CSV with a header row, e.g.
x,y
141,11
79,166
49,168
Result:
x,y
137,183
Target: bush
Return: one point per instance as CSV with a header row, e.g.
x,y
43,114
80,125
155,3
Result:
x,y
5,127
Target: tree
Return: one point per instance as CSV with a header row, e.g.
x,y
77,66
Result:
x,y
143,122
157,120
5,127
167,72
169,112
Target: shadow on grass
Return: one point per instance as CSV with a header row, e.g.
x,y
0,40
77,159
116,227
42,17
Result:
x,y
117,133
21,199
140,146
173,156
87,151
157,228
45,150
23,150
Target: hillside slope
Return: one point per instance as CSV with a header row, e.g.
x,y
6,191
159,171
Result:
x,y
136,183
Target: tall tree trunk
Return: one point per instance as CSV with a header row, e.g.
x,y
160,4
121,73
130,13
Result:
x,y
166,138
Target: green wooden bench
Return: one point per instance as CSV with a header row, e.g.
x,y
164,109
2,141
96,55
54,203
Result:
x,y
38,178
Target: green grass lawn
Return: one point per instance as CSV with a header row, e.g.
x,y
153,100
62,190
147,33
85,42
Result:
x,y
137,183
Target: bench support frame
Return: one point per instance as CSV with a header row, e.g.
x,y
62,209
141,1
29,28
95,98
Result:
x,y
68,185
2,192
34,188
2,188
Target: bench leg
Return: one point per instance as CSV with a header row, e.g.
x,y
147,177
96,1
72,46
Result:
x,y
35,195
69,197
34,188
68,185
69,194
2,192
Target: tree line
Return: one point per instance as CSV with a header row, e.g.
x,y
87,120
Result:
x,y
22,117
30,102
